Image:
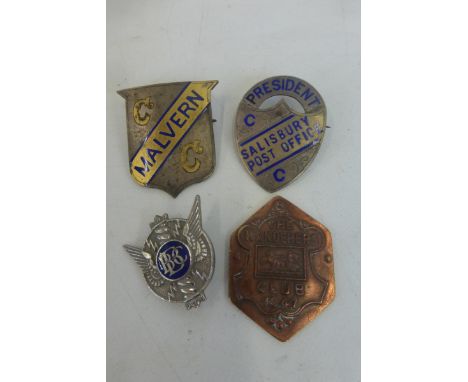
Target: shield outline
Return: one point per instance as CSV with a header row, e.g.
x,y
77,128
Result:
x,y
171,189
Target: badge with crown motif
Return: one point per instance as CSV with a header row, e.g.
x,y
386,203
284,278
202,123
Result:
x,y
177,259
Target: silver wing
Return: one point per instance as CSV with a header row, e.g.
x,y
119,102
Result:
x,y
194,221
193,230
143,259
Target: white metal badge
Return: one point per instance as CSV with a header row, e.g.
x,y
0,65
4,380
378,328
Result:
x,y
177,259
277,144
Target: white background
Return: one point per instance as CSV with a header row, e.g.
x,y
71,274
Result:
x,y
238,43
414,187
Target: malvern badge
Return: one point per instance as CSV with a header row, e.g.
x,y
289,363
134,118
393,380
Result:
x,y
170,134
277,144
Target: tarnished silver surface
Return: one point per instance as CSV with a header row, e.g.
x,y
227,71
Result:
x,y
177,259
170,134
277,144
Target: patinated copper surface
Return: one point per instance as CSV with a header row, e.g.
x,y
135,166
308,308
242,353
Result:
x,y
281,268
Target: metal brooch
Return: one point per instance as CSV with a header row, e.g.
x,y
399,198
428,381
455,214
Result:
x,y
170,134
277,144
281,268
177,259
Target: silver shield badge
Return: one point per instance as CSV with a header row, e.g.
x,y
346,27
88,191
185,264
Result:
x,y
170,134
277,144
177,259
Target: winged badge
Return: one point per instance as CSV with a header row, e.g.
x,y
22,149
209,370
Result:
x,y
177,259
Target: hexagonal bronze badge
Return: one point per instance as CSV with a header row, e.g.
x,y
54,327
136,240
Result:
x,y
281,268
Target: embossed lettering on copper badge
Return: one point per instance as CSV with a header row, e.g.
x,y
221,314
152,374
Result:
x,y
281,268
170,134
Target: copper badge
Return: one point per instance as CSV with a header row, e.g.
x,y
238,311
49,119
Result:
x,y
281,268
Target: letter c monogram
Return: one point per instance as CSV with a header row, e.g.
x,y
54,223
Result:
x,y
279,178
142,120
197,148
